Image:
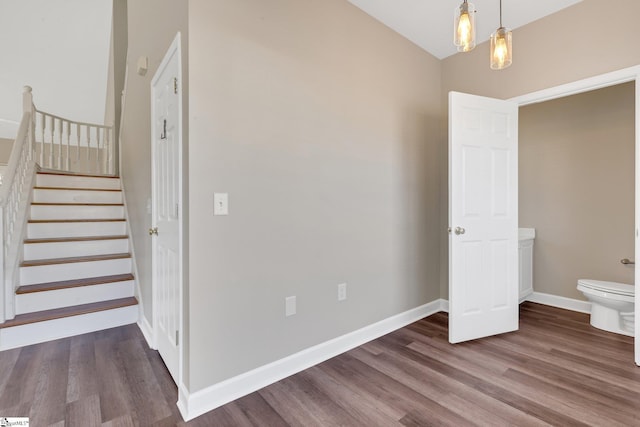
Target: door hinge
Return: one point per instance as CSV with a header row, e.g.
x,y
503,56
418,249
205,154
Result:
x,y
177,336
163,135
177,210
175,85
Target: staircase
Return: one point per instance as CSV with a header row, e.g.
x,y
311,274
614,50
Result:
x,y
76,274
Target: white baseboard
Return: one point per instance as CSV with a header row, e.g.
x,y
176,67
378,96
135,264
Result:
x,y
146,329
560,302
192,405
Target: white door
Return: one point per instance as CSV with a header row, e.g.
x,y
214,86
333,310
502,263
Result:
x,y
166,204
483,217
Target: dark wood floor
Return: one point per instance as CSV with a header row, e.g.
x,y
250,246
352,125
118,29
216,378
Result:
x,y
557,370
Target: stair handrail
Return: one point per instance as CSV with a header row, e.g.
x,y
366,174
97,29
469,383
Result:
x,y
14,202
57,137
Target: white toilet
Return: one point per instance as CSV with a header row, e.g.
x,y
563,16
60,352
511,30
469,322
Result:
x,y
612,305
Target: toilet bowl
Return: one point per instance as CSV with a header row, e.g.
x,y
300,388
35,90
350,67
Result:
x,y
612,305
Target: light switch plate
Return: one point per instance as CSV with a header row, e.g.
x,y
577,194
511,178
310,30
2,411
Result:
x,y
220,203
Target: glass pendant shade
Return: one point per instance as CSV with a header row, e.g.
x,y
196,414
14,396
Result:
x,y
464,27
501,53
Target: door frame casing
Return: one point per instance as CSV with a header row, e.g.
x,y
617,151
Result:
x,y
613,78
174,49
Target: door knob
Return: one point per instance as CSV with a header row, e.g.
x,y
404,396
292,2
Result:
x,y
459,231
153,230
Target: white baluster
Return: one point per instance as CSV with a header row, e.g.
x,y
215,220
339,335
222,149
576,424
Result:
x,y
32,132
78,141
109,151
51,146
60,124
99,137
54,134
105,152
105,145
66,161
88,147
43,125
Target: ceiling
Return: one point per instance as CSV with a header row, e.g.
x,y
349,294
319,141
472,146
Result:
x,y
429,23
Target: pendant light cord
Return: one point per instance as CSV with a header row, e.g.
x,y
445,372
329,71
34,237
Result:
x,y
500,13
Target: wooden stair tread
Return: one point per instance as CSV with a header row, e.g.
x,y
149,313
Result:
x,y
75,204
74,239
76,310
44,221
76,189
37,262
66,284
54,172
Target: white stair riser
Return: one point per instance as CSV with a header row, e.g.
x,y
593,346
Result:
x,y
75,270
75,229
39,301
70,181
75,249
34,333
76,212
76,196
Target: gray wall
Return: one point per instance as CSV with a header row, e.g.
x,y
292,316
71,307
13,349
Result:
x,y
118,61
577,187
5,149
323,127
570,45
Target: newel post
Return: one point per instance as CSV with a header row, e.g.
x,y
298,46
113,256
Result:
x,y
27,107
27,99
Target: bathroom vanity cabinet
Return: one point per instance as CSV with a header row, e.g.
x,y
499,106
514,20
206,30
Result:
x,y
526,236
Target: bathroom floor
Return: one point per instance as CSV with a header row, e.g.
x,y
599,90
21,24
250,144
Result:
x,y
555,370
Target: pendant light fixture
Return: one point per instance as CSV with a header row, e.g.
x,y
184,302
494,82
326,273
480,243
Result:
x,y
464,27
501,53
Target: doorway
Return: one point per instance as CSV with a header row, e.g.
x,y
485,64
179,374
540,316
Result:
x,y
576,188
590,84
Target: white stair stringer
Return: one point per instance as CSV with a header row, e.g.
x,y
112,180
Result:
x,y
76,276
